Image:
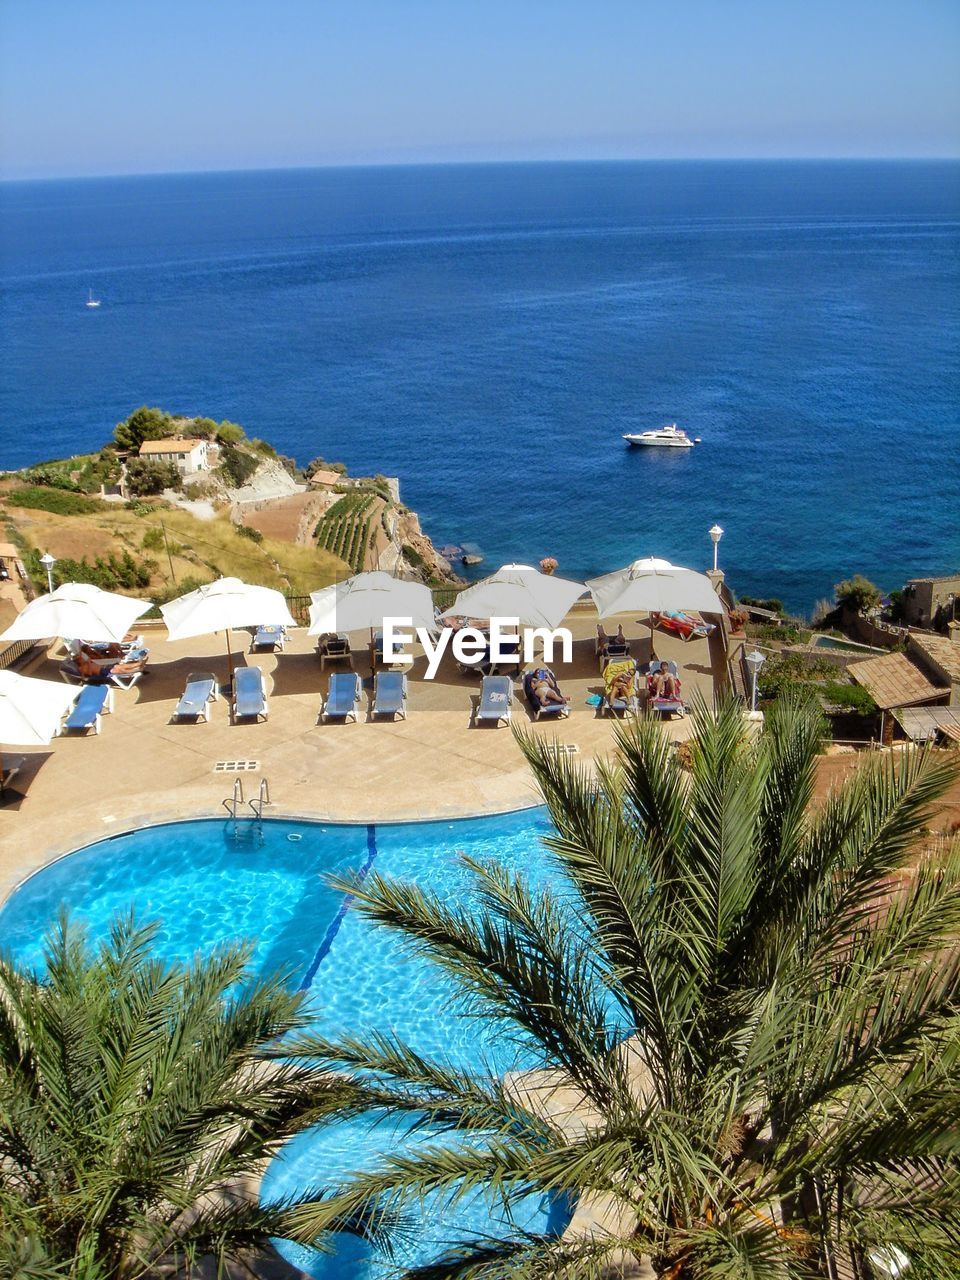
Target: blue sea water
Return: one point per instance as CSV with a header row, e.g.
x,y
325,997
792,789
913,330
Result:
x,y
488,332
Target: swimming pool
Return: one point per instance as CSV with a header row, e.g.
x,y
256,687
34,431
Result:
x,y
843,646
209,882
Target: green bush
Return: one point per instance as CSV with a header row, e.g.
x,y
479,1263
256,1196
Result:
x,y
236,467
774,605
853,696
857,594
230,432
58,502
111,573
245,531
152,540
146,477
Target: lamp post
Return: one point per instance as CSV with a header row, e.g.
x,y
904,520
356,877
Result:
x,y
48,561
754,661
716,533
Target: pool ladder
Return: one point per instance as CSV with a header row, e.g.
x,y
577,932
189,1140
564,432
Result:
x,y
245,826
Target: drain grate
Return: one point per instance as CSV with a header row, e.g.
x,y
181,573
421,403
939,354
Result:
x,y
236,766
565,748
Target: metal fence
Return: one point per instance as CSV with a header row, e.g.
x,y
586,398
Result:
x,y
299,606
15,653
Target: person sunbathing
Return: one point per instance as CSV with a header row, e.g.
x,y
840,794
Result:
x,y
98,671
543,686
620,687
663,683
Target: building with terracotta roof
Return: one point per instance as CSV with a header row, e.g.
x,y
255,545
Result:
x,y
188,456
939,656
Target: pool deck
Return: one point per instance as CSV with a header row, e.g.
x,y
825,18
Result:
x,y
142,769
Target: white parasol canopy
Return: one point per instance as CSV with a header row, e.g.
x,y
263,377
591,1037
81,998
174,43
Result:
x,y
79,611
223,605
31,710
652,586
518,591
363,601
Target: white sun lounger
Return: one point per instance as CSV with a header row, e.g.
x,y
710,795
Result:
x,y
390,694
249,698
343,697
496,700
200,691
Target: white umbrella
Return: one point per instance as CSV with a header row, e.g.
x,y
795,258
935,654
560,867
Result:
x,y
31,710
79,611
223,605
518,591
365,600
653,586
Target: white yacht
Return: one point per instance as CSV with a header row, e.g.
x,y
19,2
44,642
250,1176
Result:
x,y
91,300
668,437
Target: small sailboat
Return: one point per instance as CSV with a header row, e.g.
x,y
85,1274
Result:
x,y
91,300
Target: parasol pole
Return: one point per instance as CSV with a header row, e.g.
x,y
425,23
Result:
x,y
226,634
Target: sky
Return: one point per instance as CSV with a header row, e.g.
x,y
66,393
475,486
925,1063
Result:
x,y
126,86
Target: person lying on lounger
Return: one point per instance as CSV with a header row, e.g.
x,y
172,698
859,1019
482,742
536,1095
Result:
x,y
543,686
663,683
620,687
91,670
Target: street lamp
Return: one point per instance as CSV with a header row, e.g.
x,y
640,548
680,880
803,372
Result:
x,y
48,561
754,661
716,533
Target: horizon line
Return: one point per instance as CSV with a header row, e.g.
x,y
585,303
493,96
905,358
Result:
x,y
472,164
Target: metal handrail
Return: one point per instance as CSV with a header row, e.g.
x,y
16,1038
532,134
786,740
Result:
x,y
231,805
262,799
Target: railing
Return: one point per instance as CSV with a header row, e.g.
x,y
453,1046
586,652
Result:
x,y
231,804
262,799
14,653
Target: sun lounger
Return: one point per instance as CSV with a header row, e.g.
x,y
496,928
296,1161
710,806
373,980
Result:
x,y
70,672
619,705
249,698
688,626
334,649
496,700
343,697
390,694
612,651
663,706
543,708
511,660
95,701
200,691
269,637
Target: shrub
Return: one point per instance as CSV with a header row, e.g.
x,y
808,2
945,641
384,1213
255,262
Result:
x,y
230,432
853,696
264,447
738,619
152,540
857,594
146,477
51,476
203,428
58,502
111,573
413,556
245,531
774,605
196,490
236,467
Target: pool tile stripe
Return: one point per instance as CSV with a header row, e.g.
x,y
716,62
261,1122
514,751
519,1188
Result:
x,y
333,928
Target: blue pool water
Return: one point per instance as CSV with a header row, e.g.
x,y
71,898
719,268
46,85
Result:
x,y
210,882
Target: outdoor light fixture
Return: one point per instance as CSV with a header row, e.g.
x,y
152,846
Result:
x,y
754,661
716,533
48,561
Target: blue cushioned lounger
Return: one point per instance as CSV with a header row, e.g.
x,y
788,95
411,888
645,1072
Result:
x,y
249,699
269,637
94,701
343,696
390,698
200,691
496,700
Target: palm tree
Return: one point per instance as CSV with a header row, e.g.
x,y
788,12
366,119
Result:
x,y
751,1004
136,1107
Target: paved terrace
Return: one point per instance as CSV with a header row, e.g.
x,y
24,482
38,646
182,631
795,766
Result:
x,y
143,769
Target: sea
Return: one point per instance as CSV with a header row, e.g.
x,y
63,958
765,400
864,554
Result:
x,y
488,333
